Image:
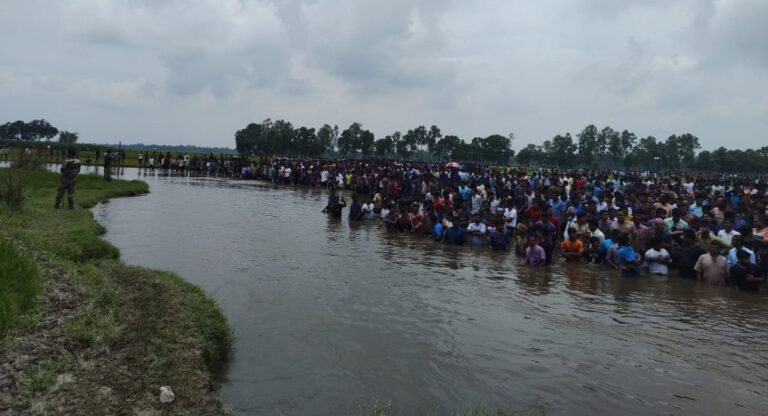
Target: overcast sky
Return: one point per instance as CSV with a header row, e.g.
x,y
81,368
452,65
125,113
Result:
x,y
194,72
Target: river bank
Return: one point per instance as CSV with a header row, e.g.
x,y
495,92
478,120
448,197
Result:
x,y
97,336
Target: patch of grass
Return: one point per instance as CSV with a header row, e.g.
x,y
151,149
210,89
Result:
x,y
12,193
39,379
97,326
19,287
82,247
207,320
33,160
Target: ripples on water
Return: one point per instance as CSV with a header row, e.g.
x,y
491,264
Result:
x,y
331,316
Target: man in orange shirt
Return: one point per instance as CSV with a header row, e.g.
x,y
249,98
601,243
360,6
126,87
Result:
x,y
572,248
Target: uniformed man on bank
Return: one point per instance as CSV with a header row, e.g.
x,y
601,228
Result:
x,y
108,156
69,171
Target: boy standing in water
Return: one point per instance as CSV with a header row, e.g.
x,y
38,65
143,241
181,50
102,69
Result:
x,y
534,254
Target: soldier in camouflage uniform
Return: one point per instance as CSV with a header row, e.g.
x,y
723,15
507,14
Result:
x,y
69,171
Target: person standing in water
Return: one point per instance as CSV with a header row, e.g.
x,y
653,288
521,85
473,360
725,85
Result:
x,y
335,204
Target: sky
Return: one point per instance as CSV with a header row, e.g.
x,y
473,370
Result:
x,y
194,72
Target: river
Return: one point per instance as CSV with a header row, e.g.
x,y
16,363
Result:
x,y
330,317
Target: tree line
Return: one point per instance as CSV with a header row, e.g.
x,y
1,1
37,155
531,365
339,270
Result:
x,y
280,137
35,130
611,149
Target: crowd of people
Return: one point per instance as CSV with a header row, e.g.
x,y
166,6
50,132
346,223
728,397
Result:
x,y
705,227
196,164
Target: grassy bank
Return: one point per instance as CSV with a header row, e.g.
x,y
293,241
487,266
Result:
x,y
83,333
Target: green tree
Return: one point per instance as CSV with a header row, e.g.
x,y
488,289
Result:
x,y
328,136
588,145
41,129
446,147
251,140
411,139
628,142
496,148
67,137
349,140
433,136
307,143
401,145
530,155
281,137
561,150
365,142
383,147
606,142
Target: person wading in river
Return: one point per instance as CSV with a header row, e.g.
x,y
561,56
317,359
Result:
x,y
335,204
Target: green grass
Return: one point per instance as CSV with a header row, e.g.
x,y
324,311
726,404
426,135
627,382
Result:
x,y
36,380
207,320
128,314
12,193
19,287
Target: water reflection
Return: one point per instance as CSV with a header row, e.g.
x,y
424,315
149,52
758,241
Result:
x,y
331,316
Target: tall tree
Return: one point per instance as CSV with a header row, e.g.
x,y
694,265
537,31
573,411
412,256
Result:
x,y
307,142
251,140
383,147
41,129
447,146
605,138
560,151
433,135
327,136
496,148
282,137
588,145
365,142
67,137
530,155
349,140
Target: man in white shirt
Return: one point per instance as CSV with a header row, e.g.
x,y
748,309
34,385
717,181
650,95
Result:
x,y
476,231
367,211
727,233
510,216
658,259
594,231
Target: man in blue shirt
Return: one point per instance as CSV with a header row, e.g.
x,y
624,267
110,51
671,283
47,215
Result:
x,y
454,236
558,206
697,208
629,261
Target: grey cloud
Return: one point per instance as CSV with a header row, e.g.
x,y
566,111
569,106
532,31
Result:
x,y
197,71
735,33
380,45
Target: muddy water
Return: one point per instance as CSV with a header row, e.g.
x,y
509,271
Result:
x,y
330,317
